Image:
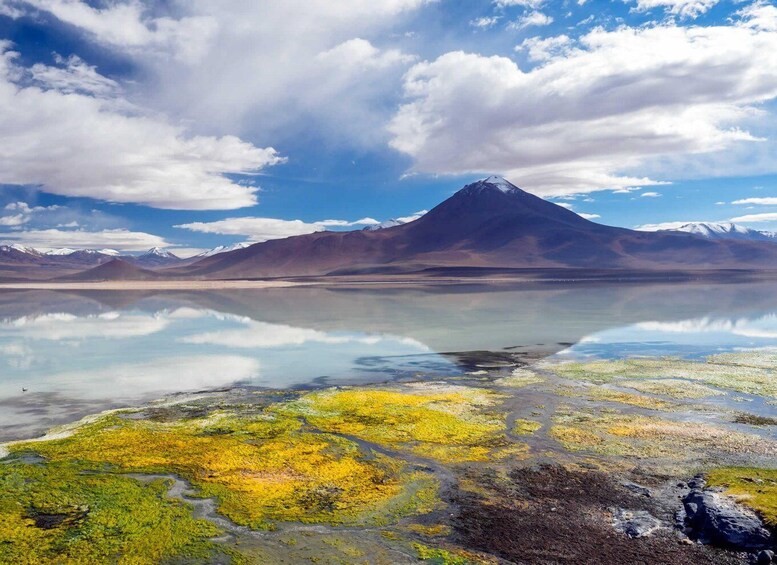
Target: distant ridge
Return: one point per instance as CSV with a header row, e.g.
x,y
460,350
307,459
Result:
x,y
725,230
114,270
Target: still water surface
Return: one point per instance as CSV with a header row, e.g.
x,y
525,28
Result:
x,y
78,353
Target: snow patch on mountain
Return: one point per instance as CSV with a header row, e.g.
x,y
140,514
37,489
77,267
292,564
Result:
x,y
725,230
222,249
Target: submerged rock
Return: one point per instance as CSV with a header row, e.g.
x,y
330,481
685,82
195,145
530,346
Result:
x,y
714,518
634,523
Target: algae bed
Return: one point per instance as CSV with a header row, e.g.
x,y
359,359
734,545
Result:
x,y
512,465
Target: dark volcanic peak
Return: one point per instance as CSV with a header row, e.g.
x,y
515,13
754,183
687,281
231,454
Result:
x,y
114,270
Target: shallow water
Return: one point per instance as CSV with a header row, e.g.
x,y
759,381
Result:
x,y
78,353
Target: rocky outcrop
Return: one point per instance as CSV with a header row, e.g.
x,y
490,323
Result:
x,y
711,517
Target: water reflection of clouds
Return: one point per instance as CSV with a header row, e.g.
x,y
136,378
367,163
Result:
x,y
257,335
689,336
762,327
65,326
163,375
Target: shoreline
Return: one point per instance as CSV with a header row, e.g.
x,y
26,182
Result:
x,y
529,278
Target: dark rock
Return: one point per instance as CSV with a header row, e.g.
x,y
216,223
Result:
x,y
634,523
765,557
637,489
713,518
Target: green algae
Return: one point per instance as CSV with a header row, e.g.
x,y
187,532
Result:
x,y
756,488
520,378
525,427
728,371
603,394
60,512
439,556
676,388
650,437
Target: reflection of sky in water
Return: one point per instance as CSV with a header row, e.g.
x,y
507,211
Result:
x,y
689,338
132,354
80,353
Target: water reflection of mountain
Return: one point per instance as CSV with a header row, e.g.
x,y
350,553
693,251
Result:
x,y
446,319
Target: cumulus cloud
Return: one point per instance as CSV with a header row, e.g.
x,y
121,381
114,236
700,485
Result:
x,y
545,48
119,239
412,217
265,229
22,212
126,25
257,68
54,136
589,117
768,201
535,18
523,3
650,195
588,216
484,22
683,8
755,218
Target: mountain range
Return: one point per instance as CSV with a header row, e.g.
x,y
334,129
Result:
x,y
489,224
725,230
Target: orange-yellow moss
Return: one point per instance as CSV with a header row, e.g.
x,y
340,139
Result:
x,y
448,423
261,469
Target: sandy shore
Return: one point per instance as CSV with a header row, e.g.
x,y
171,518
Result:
x,y
148,285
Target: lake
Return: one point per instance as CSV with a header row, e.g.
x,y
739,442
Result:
x,y
64,355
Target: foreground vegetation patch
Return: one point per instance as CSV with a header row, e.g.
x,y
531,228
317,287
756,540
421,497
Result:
x,y
261,469
729,371
650,437
60,513
443,422
756,488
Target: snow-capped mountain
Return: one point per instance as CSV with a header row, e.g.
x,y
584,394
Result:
x,y
15,247
725,230
221,249
67,251
383,225
154,257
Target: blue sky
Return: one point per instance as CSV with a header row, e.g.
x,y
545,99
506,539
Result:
x,y
190,124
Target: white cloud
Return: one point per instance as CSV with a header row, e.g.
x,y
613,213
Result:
x,y
265,229
485,22
523,3
650,195
755,218
412,217
684,8
592,117
257,68
24,213
119,239
532,19
124,25
588,216
79,145
73,76
760,15
768,201
543,49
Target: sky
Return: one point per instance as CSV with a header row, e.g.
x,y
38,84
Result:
x,y
187,124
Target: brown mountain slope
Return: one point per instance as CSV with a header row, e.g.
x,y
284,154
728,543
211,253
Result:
x,y
115,270
489,223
